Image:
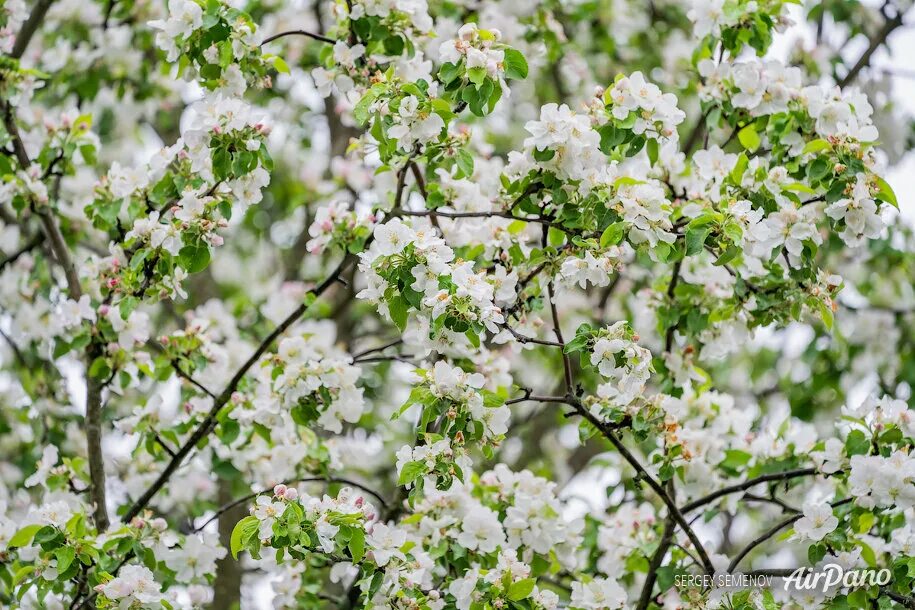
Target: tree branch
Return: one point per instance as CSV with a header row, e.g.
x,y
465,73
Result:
x,y
671,288
30,27
876,42
93,386
673,511
209,422
771,532
724,491
299,33
656,560
566,363
329,480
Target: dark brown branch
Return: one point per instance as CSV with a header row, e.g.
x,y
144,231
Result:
x,y
163,444
443,214
673,511
209,422
299,33
771,532
566,362
178,371
12,258
31,25
905,600
771,500
93,386
724,491
525,339
94,440
875,43
330,480
373,350
536,398
656,560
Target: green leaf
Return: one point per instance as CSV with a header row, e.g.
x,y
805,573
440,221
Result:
x,y
818,169
194,258
476,76
727,256
465,162
826,314
652,147
612,235
65,556
695,239
515,64
816,552
397,306
739,168
411,471
243,529
24,536
799,187
886,193
357,545
857,443
666,576
448,72
21,573
815,146
281,66
521,589
749,138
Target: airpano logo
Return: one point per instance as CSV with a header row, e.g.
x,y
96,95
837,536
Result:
x,y
832,576
826,579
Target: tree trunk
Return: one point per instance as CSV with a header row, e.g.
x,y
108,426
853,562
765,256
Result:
x,y
227,586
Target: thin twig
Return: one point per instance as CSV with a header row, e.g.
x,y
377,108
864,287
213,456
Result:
x,y
771,532
299,33
209,422
373,350
766,478
330,480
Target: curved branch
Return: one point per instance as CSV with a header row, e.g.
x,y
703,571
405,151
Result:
x,y
442,214
771,532
656,560
724,491
299,33
61,252
889,26
209,422
24,37
227,507
673,511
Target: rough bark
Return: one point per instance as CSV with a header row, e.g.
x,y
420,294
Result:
x,y
227,586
